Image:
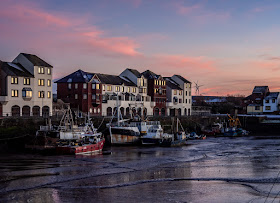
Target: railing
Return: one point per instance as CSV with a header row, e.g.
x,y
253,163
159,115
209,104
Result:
x,y
46,128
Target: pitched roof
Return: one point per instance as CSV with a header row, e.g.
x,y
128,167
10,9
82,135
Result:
x,y
182,78
134,71
85,77
260,89
77,76
150,75
272,95
15,69
114,80
35,60
172,84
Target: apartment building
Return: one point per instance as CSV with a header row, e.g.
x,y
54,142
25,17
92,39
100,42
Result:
x,y
136,93
26,87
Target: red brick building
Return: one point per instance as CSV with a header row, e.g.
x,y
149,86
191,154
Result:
x,y
157,91
82,90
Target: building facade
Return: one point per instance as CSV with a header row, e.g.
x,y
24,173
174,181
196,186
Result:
x,y
136,93
271,103
26,87
254,103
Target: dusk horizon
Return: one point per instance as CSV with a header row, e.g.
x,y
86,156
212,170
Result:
x,y
227,46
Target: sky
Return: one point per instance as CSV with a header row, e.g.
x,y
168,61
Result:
x,y
226,46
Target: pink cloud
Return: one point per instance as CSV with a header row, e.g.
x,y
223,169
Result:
x,y
184,10
199,13
185,63
44,28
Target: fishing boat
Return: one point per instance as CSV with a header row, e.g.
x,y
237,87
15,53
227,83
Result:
x,y
44,140
178,138
123,131
76,139
152,133
234,128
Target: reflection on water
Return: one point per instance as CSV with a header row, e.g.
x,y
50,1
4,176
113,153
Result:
x,y
208,170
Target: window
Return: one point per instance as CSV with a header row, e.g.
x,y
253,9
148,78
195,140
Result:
x,y
69,86
109,88
26,81
175,92
41,82
14,80
26,93
41,70
93,86
186,93
14,93
84,96
85,85
97,86
41,94
186,101
189,101
49,83
180,92
180,100
122,89
76,85
49,94
141,82
97,97
257,108
273,100
103,87
190,93
134,89
49,71
117,88
267,101
267,108
155,82
128,89
76,96
93,96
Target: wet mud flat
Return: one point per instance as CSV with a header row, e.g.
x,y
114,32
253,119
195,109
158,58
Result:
x,y
243,169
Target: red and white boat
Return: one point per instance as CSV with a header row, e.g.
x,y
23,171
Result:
x,y
90,143
78,139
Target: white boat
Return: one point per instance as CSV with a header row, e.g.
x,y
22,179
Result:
x,y
153,133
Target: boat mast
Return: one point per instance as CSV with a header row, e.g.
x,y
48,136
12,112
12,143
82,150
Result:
x,y
118,110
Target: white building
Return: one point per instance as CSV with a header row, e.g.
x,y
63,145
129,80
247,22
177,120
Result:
x,y
271,102
131,96
179,96
26,87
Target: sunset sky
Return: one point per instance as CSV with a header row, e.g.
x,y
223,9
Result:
x,y
228,46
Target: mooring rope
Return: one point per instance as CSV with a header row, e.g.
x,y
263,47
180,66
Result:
x,y
11,138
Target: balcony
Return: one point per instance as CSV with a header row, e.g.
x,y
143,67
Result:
x,y
4,99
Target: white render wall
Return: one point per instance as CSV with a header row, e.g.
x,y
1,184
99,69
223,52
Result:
x,y
273,106
35,101
113,103
187,93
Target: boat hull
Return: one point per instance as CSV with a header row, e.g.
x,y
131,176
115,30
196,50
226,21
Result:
x,y
118,139
150,141
174,143
84,149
